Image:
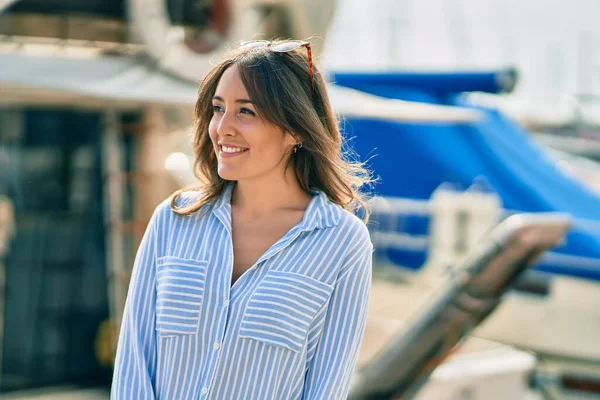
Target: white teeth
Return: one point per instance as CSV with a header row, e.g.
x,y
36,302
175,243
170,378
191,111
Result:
x,y
232,149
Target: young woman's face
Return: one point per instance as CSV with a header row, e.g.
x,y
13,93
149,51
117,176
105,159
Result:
x,y
246,146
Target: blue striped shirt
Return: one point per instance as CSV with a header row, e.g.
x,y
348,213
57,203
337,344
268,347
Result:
x,y
289,328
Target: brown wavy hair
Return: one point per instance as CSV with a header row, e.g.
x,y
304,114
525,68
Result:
x,y
280,87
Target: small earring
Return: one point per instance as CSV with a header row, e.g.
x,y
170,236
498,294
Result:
x,y
296,147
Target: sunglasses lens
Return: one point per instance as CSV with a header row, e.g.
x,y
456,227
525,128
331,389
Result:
x,y
253,44
287,46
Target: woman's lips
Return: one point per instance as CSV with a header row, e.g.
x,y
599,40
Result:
x,y
226,154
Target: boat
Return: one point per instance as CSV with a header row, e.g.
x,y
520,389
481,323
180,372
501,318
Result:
x,y
444,184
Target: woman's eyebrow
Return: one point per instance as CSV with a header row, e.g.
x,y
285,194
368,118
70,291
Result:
x,y
241,101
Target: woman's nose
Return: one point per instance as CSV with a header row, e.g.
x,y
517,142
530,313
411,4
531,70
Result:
x,y
226,126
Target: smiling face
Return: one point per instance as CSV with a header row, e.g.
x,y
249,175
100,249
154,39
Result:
x,y
247,146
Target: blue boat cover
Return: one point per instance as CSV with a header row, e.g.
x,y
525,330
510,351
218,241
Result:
x,y
412,160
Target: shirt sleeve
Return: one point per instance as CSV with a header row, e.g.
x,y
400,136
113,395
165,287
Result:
x,y
135,364
331,368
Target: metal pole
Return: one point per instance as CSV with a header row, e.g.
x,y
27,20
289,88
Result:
x,y
113,208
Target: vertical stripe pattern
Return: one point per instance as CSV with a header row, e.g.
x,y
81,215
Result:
x,y
289,328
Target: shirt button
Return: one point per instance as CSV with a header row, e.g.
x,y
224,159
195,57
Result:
x,y
204,390
226,303
216,346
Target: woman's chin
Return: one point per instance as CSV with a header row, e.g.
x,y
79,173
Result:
x,y
229,174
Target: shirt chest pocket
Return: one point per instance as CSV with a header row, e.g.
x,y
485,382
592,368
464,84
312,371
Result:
x,y
282,309
179,295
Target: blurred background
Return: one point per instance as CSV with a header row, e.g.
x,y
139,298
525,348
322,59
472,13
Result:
x,y
467,111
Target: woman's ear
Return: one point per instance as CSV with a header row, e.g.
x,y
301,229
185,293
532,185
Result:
x,y
291,139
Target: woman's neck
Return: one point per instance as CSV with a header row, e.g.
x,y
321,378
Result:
x,y
261,197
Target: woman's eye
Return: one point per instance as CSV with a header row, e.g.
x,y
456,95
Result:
x,y
248,111
217,108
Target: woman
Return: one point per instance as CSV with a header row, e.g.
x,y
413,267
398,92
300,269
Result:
x,y
254,285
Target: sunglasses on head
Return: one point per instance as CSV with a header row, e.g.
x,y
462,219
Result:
x,y
283,47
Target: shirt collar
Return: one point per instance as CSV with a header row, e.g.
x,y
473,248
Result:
x,y
320,213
